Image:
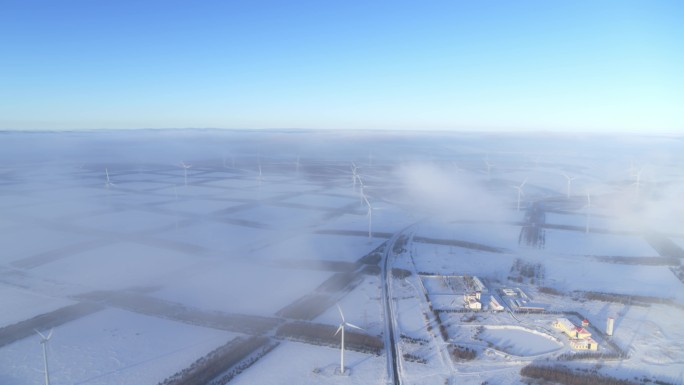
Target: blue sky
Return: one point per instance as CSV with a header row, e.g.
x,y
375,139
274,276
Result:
x,y
463,65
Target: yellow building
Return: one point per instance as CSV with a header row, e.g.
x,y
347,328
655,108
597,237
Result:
x,y
580,338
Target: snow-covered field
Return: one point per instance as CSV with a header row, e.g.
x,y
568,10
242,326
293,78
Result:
x,y
110,347
251,230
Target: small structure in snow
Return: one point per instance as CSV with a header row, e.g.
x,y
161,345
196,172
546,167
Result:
x,y
609,326
471,301
584,344
509,292
494,304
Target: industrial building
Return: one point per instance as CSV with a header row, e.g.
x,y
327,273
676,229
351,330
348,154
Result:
x,y
580,337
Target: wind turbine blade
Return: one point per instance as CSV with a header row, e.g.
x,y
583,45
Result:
x,y
523,183
50,334
353,326
338,329
341,315
40,334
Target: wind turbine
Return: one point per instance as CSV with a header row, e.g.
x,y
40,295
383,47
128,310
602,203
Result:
x,y
370,217
520,191
260,175
354,174
587,207
43,341
361,188
637,183
185,172
108,183
570,179
341,328
489,167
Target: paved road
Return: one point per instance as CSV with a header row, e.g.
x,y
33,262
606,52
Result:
x,y
393,356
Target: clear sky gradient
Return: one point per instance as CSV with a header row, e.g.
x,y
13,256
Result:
x,y
463,65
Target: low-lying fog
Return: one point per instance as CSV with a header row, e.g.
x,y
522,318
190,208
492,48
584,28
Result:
x,y
252,223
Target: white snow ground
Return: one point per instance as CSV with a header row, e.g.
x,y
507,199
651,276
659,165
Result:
x,y
232,242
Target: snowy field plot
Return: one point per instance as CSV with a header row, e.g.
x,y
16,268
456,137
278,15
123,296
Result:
x,y
20,242
236,287
459,261
139,186
296,363
19,304
127,221
444,285
241,187
499,235
386,218
362,307
198,206
279,217
320,247
69,205
411,318
324,200
110,347
591,275
577,243
230,241
654,337
116,266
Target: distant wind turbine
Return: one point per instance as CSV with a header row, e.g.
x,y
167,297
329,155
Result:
x,y
520,191
185,172
260,175
489,167
43,341
587,207
355,175
341,329
570,179
637,183
370,217
108,183
361,189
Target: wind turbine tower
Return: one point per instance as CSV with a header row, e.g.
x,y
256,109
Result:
x,y
370,217
355,175
341,329
570,179
185,172
520,191
43,341
587,207
489,168
108,183
260,175
637,183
